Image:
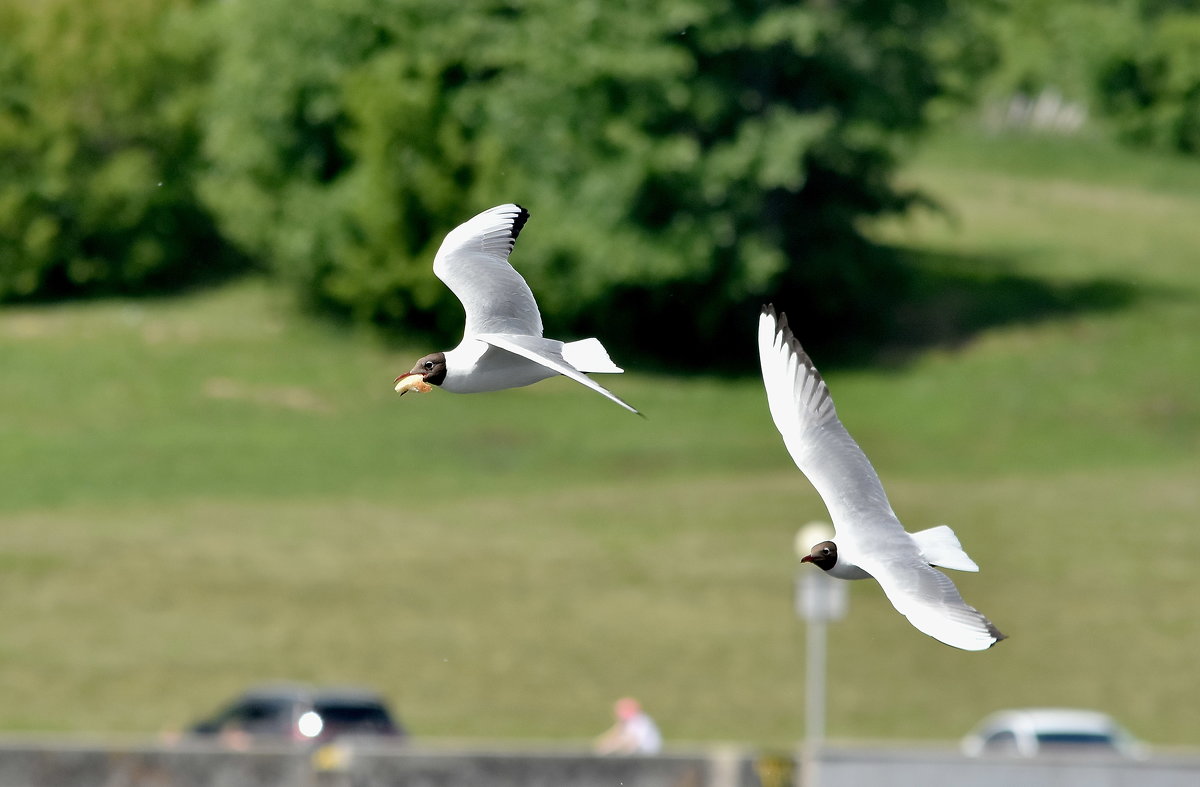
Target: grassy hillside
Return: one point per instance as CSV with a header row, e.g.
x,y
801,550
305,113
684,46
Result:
x,y
205,492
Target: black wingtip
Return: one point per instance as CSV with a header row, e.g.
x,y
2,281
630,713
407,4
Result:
x,y
995,632
781,321
789,338
519,222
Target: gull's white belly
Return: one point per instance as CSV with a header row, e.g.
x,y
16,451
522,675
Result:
x,y
477,367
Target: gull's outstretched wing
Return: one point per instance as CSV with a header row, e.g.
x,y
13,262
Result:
x,y
820,446
931,602
473,262
548,353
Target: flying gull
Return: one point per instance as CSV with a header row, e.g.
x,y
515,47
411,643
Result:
x,y
502,345
869,540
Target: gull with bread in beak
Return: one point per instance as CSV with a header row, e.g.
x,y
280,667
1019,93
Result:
x,y
502,345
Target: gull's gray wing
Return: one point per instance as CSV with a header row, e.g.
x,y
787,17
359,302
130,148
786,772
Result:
x,y
548,353
820,446
473,263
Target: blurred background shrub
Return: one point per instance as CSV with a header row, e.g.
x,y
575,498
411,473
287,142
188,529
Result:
x,y
99,150
682,162
1152,89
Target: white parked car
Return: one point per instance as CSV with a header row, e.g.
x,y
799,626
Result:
x,y
1028,732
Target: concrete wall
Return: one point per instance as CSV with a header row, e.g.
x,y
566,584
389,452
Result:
x,y
909,768
82,765
375,768
364,765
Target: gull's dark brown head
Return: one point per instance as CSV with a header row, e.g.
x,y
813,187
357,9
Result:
x,y
823,555
430,370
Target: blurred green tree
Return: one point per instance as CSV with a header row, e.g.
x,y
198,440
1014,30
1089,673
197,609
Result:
x,y
682,161
1151,89
1134,63
98,148
1059,46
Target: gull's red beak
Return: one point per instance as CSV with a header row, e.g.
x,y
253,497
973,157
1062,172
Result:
x,y
806,559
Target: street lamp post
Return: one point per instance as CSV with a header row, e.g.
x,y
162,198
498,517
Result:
x,y
819,599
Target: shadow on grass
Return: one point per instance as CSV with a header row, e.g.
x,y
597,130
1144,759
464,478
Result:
x,y
947,299
210,267
885,311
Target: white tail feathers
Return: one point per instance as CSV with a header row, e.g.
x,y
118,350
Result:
x,y
589,355
940,547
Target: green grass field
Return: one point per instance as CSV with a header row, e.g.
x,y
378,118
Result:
x,y
206,492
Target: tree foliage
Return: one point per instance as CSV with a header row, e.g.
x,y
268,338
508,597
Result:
x,y
1136,62
98,149
1061,45
1152,89
682,161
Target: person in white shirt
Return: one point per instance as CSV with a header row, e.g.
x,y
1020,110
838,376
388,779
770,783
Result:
x,y
633,733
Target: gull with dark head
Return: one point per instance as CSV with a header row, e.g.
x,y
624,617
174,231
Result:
x,y
869,540
502,345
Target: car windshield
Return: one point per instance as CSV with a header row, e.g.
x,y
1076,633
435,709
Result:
x,y
359,717
1076,739
256,716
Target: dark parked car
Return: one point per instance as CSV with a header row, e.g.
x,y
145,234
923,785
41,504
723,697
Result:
x,y
301,714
